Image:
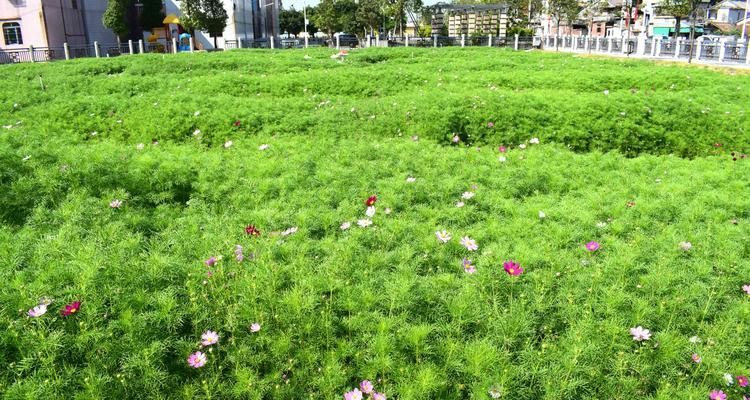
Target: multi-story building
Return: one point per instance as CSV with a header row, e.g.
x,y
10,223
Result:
x,y
250,21
470,19
50,23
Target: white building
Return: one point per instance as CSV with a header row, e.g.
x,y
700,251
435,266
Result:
x,y
251,21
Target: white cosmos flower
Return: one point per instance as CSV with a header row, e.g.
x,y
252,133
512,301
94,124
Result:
x,y
370,211
364,223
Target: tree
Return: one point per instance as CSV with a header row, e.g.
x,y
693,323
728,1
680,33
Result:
x,y
151,15
680,9
336,15
214,18
369,15
291,21
114,17
205,15
592,9
566,10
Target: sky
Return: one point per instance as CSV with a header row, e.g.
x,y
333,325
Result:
x,y
299,3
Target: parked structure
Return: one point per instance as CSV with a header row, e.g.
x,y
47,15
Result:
x,y
727,14
50,23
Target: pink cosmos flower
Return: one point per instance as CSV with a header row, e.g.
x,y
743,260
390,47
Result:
x,y
115,203
210,262
468,267
366,387
239,253
38,311
378,396
197,359
502,149
469,243
415,138
209,337
640,334
742,380
456,139
685,245
717,395
746,289
512,268
490,124
353,395
696,358
443,236
592,246
255,327
345,225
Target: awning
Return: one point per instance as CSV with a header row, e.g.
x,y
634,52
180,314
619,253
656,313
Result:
x,y
683,29
171,19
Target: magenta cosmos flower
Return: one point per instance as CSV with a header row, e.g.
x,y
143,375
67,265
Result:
x,y
366,387
640,334
742,380
210,262
71,309
592,246
209,337
717,395
353,395
512,268
468,266
197,359
469,243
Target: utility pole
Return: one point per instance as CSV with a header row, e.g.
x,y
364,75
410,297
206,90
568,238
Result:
x,y
304,12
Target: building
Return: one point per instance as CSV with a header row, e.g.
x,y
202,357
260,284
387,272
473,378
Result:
x,y
251,21
726,15
470,19
50,23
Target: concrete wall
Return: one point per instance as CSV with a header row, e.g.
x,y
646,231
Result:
x,y
29,14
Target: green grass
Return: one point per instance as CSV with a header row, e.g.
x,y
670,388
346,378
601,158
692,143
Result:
x,y
388,303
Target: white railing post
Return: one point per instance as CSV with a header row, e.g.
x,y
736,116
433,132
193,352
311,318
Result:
x,y
624,43
407,40
489,43
191,44
31,53
698,49
598,44
130,46
96,49
747,51
609,44
463,40
141,49
654,42
174,45
338,42
273,41
586,43
677,48
554,44
239,44
515,45
657,43
66,50
307,42
722,50
640,45
434,40
573,43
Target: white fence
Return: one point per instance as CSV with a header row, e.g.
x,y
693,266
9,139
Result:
x,y
723,51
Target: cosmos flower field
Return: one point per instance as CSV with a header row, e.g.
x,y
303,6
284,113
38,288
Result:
x,y
406,224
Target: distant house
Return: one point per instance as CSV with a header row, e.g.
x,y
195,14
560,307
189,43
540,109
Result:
x,y
726,14
50,23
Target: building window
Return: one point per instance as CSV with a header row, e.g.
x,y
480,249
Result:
x,y
75,4
12,33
